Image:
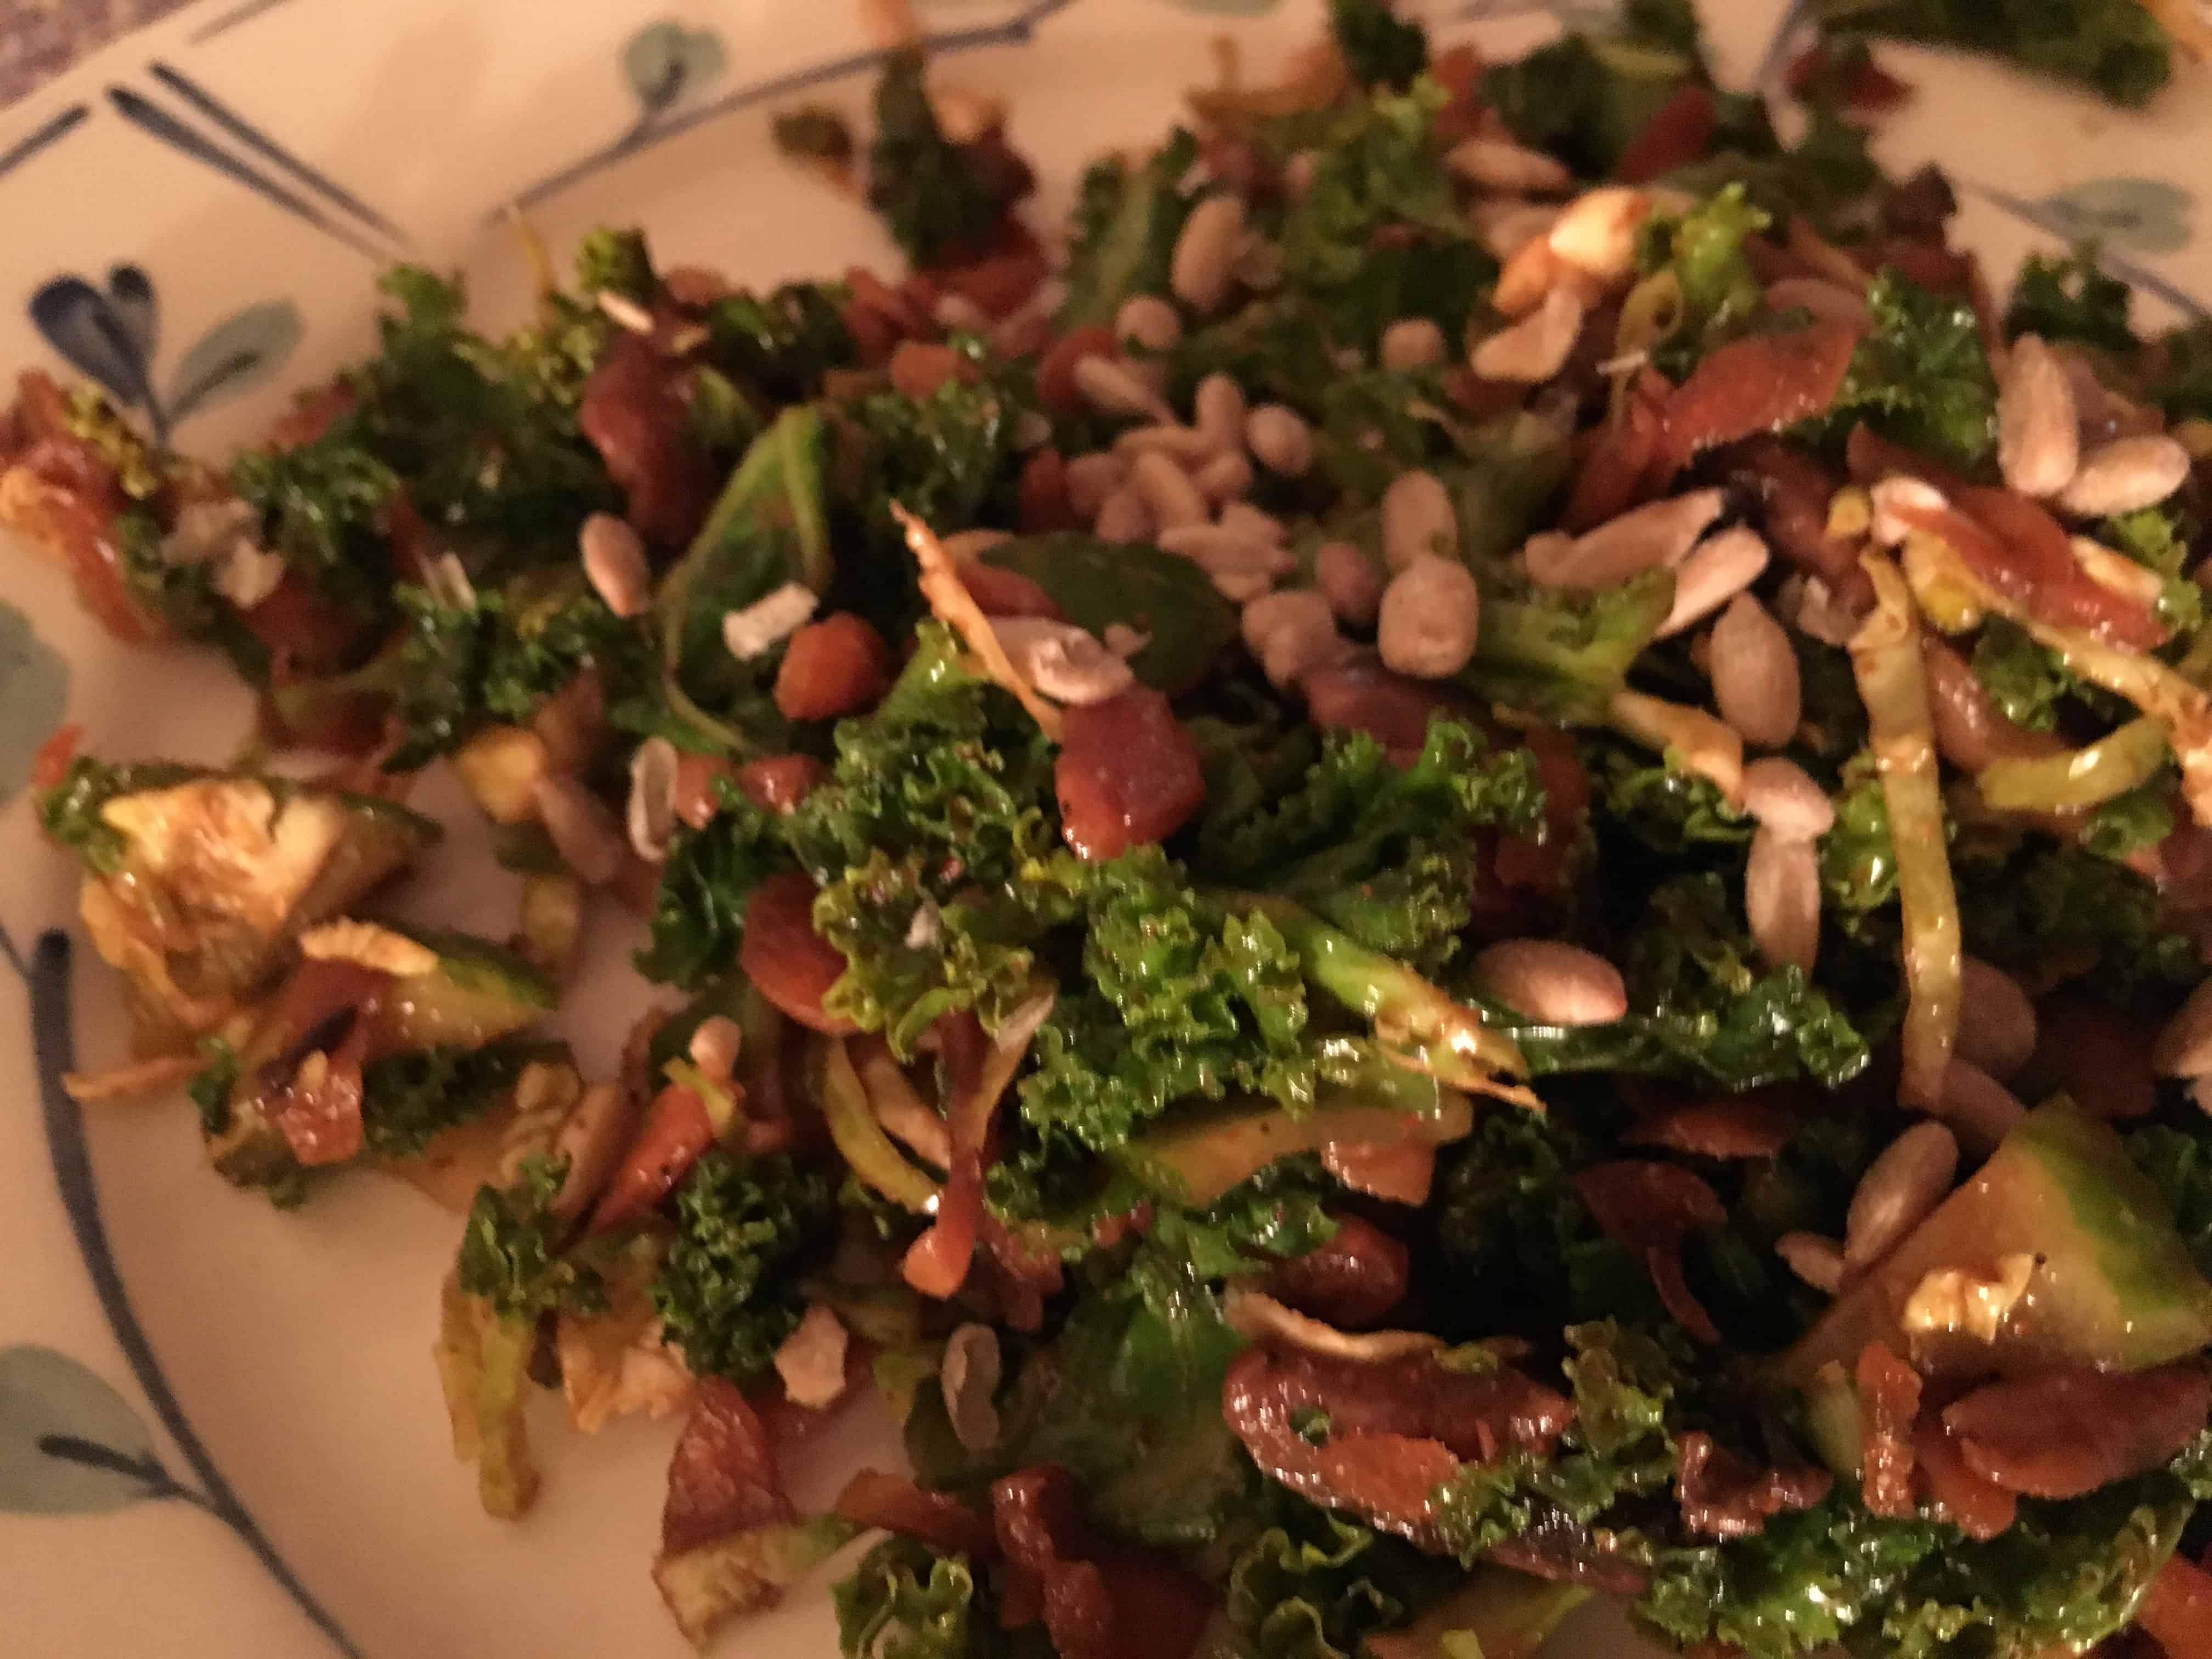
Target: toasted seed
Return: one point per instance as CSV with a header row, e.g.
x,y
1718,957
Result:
x,y
1711,574
1886,495
582,831
650,817
1756,684
1246,520
1819,1262
1205,251
1349,581
755,630
1981,1109
1185,444
1068,664
1659,533
1997,1022
1216,547
1531,272
1826,299
2184,1048
1114,387
1417,519
1291,634
1783,797
1090,480
1898,1189
1551,983
614,563
1499,164
1534,349
1223,478
1596,233
1507,226
1147,320
2117,571
2126,475
1782,899
1280,441
2038,434
1411,343
591,1141
1429,616
1168,492
811,1361
969,1382
715,1047
958,312
1218,410
1123,517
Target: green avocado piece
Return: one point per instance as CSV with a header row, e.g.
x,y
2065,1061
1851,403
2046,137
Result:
x,y
1160,594
2113,1285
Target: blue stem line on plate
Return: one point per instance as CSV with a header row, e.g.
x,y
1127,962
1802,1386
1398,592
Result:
x,y
29,145
651,131
46,975
157,123
231,19
252,136
2119,265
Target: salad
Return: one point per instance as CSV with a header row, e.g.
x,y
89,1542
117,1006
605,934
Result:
x,y
1464,863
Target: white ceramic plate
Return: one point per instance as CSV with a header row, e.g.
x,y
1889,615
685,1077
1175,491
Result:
x,y
196,214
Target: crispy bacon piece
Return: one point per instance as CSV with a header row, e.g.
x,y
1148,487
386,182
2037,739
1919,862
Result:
x,y
999,280
2069,1432
675,1131
1755,1124
1040,494
1723,1496
774,783
838,665
1529,863
791,964
1679,131
2099,1054
333,1006
918,367
1352,1282
1400,1172
1626,464
722,1478
1055,377
633,414
1760,383
1368,697
1973,1505
872,1498
1889,1400
1020,1279
1127,773
1097,1602
1650,1208
2021,552
2177,1611
1395,1431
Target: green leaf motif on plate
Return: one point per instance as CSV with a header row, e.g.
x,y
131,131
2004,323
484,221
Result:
x,y
2149,214
664,61
70,1444
34,692
236,355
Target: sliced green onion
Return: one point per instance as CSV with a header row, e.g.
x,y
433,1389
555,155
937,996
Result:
x,y
2087,776
860,1139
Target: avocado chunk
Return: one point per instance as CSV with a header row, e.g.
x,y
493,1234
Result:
x,y
2113,1284
197,882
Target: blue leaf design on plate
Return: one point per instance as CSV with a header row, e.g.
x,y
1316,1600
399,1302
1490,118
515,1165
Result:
x,y
664,61
98,337
130,292
33,692
69,1443
1230,8
240,352
2150,213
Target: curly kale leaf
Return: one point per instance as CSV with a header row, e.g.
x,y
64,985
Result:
x,y
1313,1584
940,200
1181,998
511,1250
1389,855
1858,861
728,1291
2028,906
182,593
1703,250
947,766
1123,236
782,343
2182,386
1666,809
1921,377
2070,299
699,906
2114,46
1379,48
323,506
407,1100
901,1601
